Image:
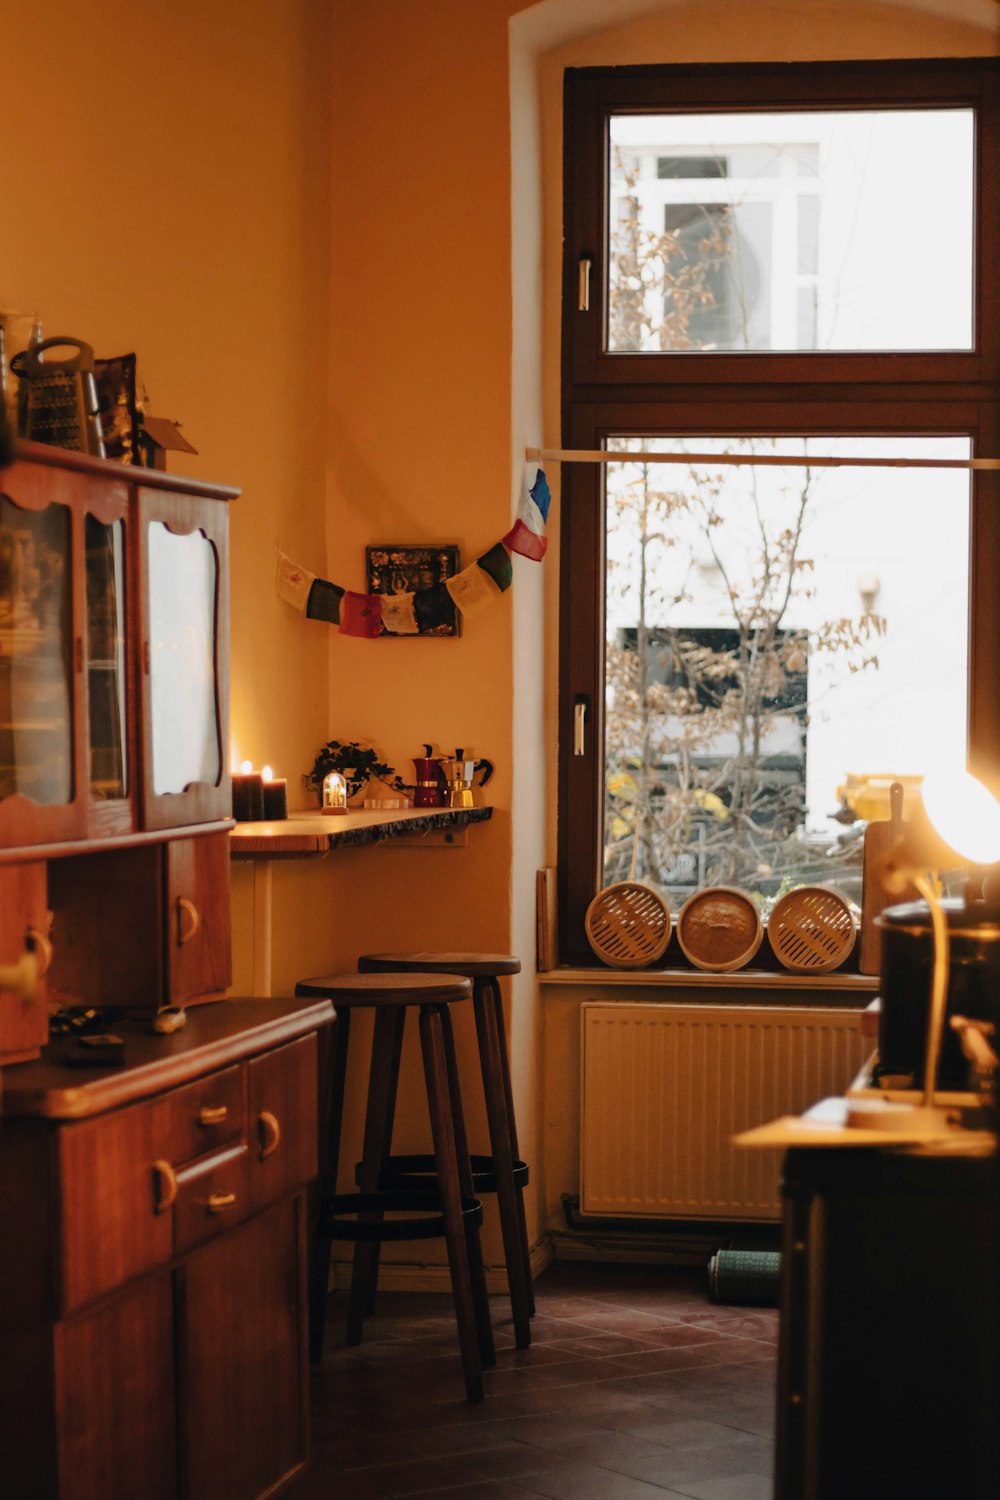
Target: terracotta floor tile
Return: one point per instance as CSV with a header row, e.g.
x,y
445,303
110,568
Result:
x,y
634,1386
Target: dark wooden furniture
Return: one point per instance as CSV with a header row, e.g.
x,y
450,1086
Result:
x,y
888,1366
152,1281
153,1260
449,1206
113,738
501,1172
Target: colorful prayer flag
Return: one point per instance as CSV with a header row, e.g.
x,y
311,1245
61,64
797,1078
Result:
x,y
527,535
472,590
292,582
361,614
496,562
434,609
398,614
324,601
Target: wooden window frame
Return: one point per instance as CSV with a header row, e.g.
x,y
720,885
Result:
x,y
691,393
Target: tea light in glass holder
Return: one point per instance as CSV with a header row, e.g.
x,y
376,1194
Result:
x,y
334,793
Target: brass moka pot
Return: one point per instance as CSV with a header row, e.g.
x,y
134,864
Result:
x,y
459,773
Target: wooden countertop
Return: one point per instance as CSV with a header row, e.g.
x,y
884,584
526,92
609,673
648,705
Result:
x,y
214,1035
303,834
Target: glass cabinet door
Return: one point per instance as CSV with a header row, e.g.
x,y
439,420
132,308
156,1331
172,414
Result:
x,y
105,666
185,612
37,742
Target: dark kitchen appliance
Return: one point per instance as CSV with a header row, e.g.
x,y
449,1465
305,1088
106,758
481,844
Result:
x,y
973,986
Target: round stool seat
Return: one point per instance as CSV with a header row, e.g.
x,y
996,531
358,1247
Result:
x,y
406,1171
473,965
337,1220
397,988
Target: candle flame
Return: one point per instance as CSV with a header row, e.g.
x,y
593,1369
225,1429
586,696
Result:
x,y
246,767
267,773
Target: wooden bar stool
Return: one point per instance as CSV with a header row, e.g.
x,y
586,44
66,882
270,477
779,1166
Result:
x,y
502,1172
446,1206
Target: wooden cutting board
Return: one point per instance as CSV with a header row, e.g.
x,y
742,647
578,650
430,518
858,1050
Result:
x,y
879,839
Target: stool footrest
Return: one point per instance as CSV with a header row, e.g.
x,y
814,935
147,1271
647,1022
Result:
x,y
408,1171
339,1217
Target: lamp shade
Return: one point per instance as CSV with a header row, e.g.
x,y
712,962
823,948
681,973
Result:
x,y
957,822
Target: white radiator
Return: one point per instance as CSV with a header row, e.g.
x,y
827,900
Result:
x,y
666,1087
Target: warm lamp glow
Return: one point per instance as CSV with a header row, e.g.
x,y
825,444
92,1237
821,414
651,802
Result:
x,y
965,814
957,823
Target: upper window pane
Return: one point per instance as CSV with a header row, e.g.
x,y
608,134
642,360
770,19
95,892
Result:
x,y
847,230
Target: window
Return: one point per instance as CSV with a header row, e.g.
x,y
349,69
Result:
x,y
798,269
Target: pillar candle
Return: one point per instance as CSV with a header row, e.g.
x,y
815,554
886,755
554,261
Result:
x,y
275,796
248,797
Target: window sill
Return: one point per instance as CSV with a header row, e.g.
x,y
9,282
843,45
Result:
x,y
739,979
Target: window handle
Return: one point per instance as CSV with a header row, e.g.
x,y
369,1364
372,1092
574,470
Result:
x,y
584,284
580,725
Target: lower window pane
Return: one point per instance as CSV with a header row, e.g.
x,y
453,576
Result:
x,y
782,643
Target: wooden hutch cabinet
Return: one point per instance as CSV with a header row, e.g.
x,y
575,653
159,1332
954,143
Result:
x,y
153,1243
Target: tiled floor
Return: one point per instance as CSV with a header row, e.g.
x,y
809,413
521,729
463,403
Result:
x,y
635,1387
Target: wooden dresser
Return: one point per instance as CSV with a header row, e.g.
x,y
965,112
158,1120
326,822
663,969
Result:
x,y
153,1260
152,1210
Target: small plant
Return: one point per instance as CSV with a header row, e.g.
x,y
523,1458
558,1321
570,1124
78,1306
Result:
x,y
356,763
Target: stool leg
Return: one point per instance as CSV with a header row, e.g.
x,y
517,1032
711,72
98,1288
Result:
x,y
387,1044
499,1114
446,1161
331,1114
480,1296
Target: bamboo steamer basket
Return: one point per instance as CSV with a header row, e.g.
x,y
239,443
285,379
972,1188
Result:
x,y
628,925
812,930
719,929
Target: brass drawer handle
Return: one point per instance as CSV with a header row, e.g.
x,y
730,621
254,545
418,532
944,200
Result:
x,y
269,1131
217,1203
184,935
164,1186
212,1114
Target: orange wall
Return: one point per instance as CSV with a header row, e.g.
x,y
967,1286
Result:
x,y
299,216
164,190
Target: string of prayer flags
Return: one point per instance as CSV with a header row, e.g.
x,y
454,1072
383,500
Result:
x,y
527,535
430,610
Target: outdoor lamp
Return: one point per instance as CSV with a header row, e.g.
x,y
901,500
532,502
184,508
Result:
x,y
957,823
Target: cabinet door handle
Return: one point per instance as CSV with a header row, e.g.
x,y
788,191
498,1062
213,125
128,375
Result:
x,y
188,908
269,1130
164,1186
217,1203
212,1114
37,943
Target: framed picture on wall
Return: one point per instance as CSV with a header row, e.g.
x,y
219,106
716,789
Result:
x,y
398,570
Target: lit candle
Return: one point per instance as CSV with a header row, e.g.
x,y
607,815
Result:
x,y
275,796
248,795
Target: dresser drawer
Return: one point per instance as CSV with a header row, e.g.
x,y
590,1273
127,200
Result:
x,y
212,1195
206,1115
112,1226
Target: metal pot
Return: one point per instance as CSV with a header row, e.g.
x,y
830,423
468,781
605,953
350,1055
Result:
x,y
907,959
